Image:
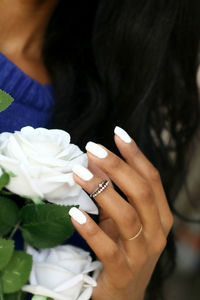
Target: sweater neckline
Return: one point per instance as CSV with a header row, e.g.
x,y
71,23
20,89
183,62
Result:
x,y
23,88
48,85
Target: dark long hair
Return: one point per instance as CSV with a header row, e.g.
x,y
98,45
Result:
x,y
130,63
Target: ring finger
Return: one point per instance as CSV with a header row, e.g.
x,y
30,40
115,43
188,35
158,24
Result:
x,y
122,213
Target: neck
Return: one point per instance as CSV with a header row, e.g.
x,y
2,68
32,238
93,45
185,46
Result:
x,y
23,24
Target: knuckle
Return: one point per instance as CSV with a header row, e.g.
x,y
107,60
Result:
x,y
154,174
160,245
136,151
146,195
111,254
114,162
142,260
130,218
92,230
170,222
125,281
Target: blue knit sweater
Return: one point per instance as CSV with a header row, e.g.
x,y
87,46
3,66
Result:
x,y
33,102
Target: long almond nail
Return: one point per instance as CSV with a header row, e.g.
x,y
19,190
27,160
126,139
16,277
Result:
x,y
122,134
77,215
82,172
96,150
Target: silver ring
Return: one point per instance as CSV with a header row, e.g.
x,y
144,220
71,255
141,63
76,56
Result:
x,y
101,186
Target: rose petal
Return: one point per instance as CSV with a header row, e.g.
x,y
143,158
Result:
x,y
38,256
59,137
51,276
95,265
62,193
74,265
82,199
14,151
40,290
61,280
89,281
4,137
68,251
86,294
21,184
50,161
72,287
81,160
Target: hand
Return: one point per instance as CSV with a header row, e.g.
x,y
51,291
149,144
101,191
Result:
x,y
127,264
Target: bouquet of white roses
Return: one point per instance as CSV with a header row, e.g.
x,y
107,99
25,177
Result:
x,y
37,190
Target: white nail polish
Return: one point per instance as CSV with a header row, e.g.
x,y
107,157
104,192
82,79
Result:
x,y
82,172
96,150
122,134
77,215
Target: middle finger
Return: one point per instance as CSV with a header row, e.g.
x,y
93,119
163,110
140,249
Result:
x,y
122,213
131,183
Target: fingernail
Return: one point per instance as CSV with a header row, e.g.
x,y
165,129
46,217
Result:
x,y
77,215
122,134
82,172
96,150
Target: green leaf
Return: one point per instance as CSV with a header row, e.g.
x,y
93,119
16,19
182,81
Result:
x,y
5,100
11,174
8,215
17,272
15,296
4,180
6,252
36,297
11,296
5,193
46,226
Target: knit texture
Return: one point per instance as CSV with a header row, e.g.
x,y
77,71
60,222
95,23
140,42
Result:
x,y
33,102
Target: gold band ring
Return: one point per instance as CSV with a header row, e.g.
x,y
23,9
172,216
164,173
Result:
x,y
137,234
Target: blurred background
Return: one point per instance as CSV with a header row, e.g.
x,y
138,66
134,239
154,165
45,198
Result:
x,y
184,284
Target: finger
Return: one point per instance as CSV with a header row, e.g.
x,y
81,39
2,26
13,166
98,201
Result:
x,y
136,159
133,185
107,224
98,172
103,246
122,213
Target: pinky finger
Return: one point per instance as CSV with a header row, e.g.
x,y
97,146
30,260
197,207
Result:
x,y
104,247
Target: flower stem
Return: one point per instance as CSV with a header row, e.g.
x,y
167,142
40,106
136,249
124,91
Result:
x,y
17,226
19,295
36,297
37,201
1,289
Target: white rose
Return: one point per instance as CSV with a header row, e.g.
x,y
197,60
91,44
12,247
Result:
x,y
61,273
42,161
